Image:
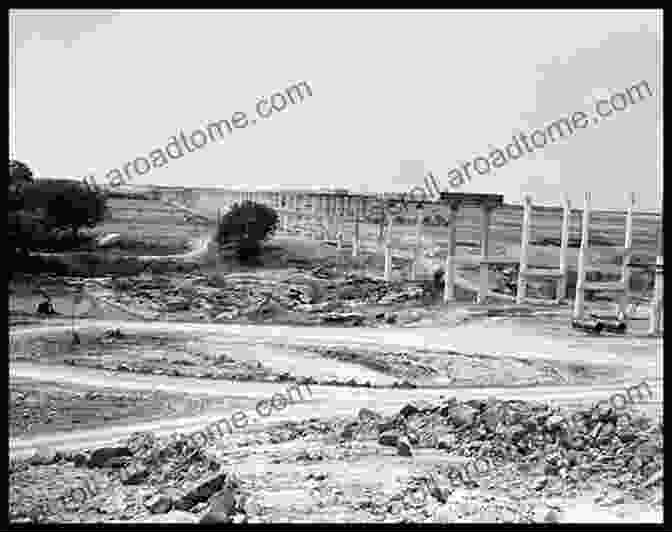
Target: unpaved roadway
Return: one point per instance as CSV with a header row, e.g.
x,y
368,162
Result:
x,y
639,358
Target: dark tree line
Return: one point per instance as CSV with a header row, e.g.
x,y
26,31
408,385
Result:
x,y
40,210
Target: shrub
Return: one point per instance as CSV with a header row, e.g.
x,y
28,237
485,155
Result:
x,y
247,225
65,204
19,173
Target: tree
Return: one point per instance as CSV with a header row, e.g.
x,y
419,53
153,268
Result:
x,y
65,204
19,173
19,176
23,229
248,225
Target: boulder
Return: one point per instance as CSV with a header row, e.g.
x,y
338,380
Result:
x,y
555,422
174,517
159,504
44,456
103,455
134,476
116,462
222,508
367,415
404,447
389,438
80,459
446,442
202,492
415,407
462,415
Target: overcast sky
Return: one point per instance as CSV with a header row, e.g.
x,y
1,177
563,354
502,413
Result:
x,y
91,90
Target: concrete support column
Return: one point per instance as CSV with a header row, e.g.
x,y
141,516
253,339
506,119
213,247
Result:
x,y
486,213
627,257
583,258
449,275
330,216
355,228
314,219
419,219
388,249
288,209
299,212
319,221
340,208
381,225
524,249
282,206
564,247
656,313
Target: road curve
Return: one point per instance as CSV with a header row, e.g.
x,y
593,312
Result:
x,y
324,401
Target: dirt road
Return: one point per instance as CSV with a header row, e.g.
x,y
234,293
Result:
x,y
640,359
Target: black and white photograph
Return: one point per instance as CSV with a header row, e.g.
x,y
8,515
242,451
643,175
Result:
x,y
425,285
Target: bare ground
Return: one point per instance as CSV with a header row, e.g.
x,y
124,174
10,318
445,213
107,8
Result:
x,y
313,469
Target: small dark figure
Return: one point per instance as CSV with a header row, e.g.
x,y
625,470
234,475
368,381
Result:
x,y
45,307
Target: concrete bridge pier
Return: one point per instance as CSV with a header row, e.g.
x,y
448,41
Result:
x,y
340,215
419,224
388,247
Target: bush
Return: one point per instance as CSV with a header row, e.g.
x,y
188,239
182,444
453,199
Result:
x,y
39,209
24,228
248,225
65,204
19,173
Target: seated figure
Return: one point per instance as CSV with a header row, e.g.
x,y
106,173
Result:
x,y
46,308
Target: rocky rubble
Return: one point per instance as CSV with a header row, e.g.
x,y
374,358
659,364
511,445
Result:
x,y
625,447
321,292
177,480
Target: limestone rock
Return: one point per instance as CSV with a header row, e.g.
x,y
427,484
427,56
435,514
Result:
x,y
389,438
103,455
174,517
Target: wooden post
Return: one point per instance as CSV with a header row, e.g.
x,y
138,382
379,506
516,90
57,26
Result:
x,y
449,274
419,219
656,313
524,249
627,257
583,257
564,246
486,211
388,248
